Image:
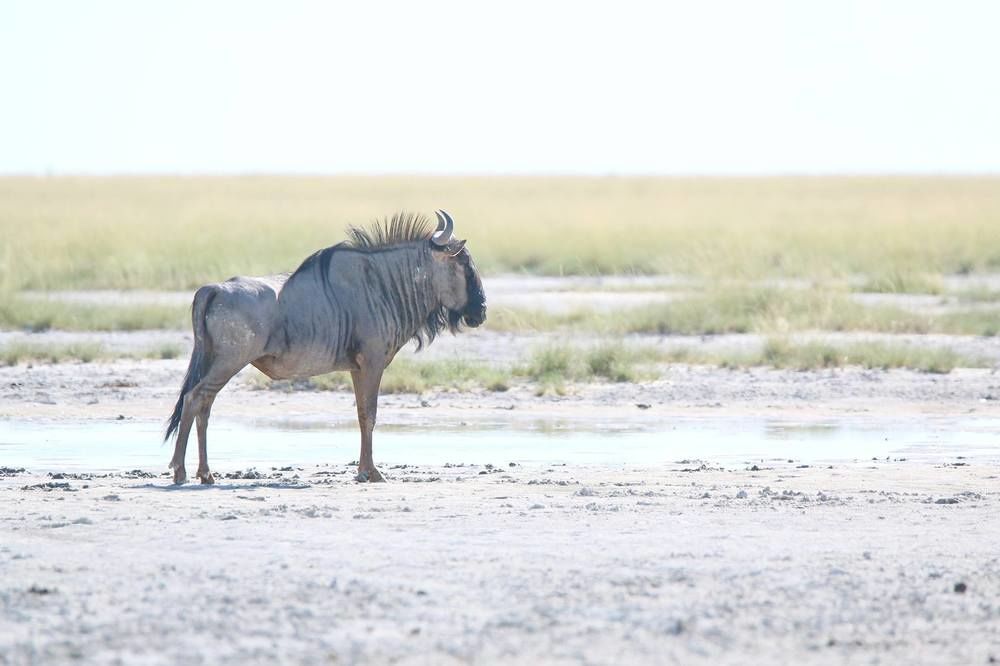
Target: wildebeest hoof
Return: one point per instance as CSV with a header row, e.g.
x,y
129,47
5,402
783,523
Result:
x,y
180,476
206,477
369,476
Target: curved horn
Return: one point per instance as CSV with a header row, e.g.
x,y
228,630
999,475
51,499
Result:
x,y
446,226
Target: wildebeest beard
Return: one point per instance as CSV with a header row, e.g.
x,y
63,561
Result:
x,y
437,321
473,314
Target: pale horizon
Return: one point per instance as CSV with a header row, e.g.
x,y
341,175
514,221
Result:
x,y
725,89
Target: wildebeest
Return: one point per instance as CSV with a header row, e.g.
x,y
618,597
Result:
x,y
351,307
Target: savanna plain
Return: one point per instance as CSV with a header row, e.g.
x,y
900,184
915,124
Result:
x,y
706,421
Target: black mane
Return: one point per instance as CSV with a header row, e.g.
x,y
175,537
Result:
x,y
388,232
402,227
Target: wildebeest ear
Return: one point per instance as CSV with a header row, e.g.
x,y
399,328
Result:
x,y
456,247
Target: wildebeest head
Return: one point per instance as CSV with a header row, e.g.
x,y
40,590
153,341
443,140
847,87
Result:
x,y
456,280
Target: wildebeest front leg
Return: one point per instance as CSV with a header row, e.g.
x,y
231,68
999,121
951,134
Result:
x,y
366,383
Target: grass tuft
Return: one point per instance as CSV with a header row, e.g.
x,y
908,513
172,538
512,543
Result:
x,y
410,376
969,322
405,375
23,352
780,353
904,283
553,366
37,316
767,310
85,352
166,352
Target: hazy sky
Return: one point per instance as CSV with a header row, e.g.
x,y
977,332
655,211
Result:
x,y
526,87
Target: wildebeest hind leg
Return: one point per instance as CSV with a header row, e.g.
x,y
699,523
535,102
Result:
x,y
189,404
217,377
198,404
204,474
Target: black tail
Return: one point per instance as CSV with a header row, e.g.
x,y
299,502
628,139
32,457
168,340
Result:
x,y
199,357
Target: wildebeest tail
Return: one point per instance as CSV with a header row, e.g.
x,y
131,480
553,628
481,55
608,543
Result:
x,y
199,357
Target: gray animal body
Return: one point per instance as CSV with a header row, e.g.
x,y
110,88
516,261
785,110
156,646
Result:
x,y
349,307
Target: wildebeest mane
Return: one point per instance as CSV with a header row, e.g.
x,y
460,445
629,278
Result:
x,y
388,232
402,227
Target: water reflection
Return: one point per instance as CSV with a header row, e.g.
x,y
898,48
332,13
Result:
x,y
782,430
122,445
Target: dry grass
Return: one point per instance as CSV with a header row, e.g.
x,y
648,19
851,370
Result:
x,y
780,353
873,355
407,376
83,352
763,310
900,283
557,367
706,312
752,310
176,233
38,315
613,360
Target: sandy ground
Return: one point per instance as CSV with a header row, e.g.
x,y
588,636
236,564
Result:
x,y
888,562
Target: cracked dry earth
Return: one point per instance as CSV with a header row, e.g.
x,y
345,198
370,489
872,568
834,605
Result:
x,y
890,562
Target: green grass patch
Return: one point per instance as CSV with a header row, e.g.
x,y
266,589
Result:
x,y
333,381
83,352
22,352
621,362
165,352
740,310
552,367
903,283
553,363
872,355
410,376
756,310
969,322
716,311
765,310
783,354
406,375
36,315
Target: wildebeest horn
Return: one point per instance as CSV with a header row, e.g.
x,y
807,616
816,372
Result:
x,y
446,226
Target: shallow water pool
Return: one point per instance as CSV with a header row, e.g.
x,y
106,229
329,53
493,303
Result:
x,y
124,445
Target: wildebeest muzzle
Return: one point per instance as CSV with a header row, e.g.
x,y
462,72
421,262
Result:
x,y
475,309
475,316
